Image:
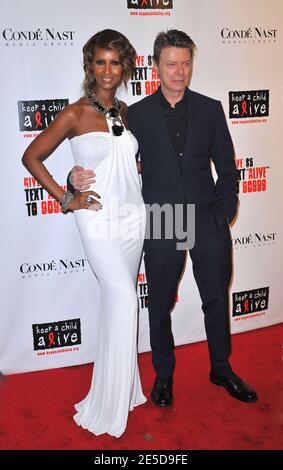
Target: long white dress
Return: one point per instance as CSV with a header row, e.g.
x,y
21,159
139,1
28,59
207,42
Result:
x,y
113,241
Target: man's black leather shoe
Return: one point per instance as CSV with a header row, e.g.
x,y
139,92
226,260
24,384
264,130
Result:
x,y
161,394
235,386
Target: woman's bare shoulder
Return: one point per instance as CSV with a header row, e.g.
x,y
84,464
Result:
x,y
76,109
72,113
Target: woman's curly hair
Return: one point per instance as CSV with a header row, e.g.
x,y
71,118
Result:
x,y
107,39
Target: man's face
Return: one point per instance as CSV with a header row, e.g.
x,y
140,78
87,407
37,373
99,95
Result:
x,y
175,68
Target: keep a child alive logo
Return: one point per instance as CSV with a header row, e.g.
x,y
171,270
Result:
x,y
247,107
251,303
57,334
150,4
36,115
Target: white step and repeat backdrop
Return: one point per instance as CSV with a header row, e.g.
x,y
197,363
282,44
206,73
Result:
x,y
49,296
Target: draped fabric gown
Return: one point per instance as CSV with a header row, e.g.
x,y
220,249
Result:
x,y
113,239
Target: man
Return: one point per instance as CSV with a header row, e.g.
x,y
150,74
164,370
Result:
x,y
179,133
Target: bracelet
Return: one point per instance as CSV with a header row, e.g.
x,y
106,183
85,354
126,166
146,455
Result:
x,y
65,200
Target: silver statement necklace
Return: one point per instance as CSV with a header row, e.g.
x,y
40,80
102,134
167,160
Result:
x,y
111,112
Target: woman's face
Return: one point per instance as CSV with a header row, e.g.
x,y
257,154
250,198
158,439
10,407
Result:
x,y
107,68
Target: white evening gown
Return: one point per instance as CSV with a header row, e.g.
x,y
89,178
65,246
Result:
x,y
113,241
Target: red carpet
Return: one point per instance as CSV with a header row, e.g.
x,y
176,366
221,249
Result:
x,y
37,408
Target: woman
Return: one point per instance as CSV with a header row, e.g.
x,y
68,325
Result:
x,y
112,232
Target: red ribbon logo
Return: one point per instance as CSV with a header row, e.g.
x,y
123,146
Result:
x,y
246,306
244,108
37,119
51,337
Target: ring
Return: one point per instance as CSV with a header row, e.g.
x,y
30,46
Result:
x,y
89,199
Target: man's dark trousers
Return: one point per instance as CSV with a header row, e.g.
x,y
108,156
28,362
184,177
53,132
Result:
x,y
211,259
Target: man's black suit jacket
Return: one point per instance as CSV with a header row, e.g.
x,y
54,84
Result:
x,y
208,139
